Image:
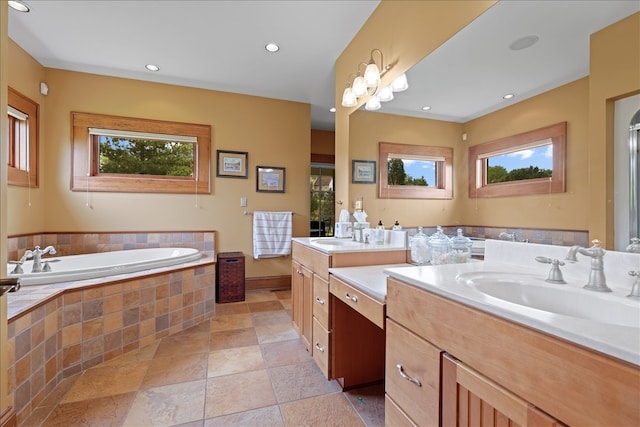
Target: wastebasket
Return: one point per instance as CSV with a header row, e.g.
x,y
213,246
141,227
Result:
x,y
230,277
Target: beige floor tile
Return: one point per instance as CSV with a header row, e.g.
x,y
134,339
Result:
x,y
263,417
102,381
276,332
284,353
284,294
327,410
231,308
271,317
260,295
235,360
183,344
176,369
144,354
286,303
259,306
369,404
100,412
204,326
234,338
295,382
168,405
228,322
239,392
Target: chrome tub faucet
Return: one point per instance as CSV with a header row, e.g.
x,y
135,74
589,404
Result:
x,y
597,281
36,255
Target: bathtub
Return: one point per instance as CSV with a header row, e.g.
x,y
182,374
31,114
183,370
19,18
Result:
x,y
90,266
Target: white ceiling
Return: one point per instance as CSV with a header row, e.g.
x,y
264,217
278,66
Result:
x,y
220,45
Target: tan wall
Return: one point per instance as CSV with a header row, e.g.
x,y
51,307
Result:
x,y
557,211
265,128
614,74
366,130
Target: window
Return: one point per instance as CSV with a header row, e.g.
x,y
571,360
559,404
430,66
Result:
x,y
22,140
415,171
123,154
528,163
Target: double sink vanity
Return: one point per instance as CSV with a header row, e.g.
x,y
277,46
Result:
x,y
474,343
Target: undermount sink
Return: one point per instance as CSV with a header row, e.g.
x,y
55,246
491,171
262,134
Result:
x,y
332,241
532,291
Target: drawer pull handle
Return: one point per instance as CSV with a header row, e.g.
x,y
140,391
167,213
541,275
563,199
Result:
x,y
407,377
353,298
320,300
298,271
319,347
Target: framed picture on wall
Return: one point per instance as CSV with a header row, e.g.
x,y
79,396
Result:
x,y
363,172
232,164
270,179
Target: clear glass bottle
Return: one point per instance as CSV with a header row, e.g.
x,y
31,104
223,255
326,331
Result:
x,y
419,248
460,248
440,246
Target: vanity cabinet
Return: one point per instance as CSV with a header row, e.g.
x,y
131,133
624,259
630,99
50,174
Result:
x,y
313,312
492,368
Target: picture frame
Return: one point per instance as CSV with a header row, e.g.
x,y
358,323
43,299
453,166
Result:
x,y
363,172
270,179
232,164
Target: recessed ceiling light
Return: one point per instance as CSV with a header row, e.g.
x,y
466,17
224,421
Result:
x,y
272,47
152,67
19,5
426,108
332,109
524,42
509,96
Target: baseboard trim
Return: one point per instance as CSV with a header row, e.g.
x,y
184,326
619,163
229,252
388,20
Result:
x,y
267,283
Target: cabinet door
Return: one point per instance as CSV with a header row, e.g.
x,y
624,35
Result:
x,y
301,302
469,399
412,377
321,350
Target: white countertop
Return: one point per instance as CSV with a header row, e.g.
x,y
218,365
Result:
x,y
350,247
615,340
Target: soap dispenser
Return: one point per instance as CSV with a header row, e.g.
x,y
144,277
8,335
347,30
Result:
x,y
396,226
379,233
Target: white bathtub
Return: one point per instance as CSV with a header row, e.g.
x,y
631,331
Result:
x,y
90,266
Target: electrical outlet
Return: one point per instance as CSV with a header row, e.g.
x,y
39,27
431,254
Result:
x,y
358,205
243,202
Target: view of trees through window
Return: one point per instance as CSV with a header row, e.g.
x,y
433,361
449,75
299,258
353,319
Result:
x,y
530,163
145,157
411,172
322,209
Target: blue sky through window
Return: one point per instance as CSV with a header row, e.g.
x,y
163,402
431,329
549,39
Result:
x,y
542,157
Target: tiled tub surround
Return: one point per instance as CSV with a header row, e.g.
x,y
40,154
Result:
x,y
56,331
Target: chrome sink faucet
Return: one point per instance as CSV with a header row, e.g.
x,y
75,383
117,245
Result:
x,y
513,237
36,254
597,282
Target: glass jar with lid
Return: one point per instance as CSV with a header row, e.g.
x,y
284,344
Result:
x,y
440,246
460,248
419,248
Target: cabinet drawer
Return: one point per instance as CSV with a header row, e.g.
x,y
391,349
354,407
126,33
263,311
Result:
x,y
359,301
316,261
393,416
321,348
412,376
321,301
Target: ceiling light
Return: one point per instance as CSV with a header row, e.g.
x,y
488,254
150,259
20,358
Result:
x,y
509,96
426,108
152,67
386,94
348,98
400,83
272,47
524,42
19,5
332,109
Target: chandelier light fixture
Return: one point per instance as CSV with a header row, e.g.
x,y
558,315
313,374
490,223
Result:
x,y
368,83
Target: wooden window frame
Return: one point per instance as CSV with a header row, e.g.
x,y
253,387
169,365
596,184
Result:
x,y
478,188
84,169
444,188
15,175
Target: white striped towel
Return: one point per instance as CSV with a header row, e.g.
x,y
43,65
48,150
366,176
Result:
x,y
271,234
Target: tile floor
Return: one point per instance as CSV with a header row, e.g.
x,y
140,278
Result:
x,y
245,367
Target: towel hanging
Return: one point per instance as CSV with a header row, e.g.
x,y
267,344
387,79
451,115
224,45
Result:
x,y
272,233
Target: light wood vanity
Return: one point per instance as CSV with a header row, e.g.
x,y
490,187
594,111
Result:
x,y
320,302
474,368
